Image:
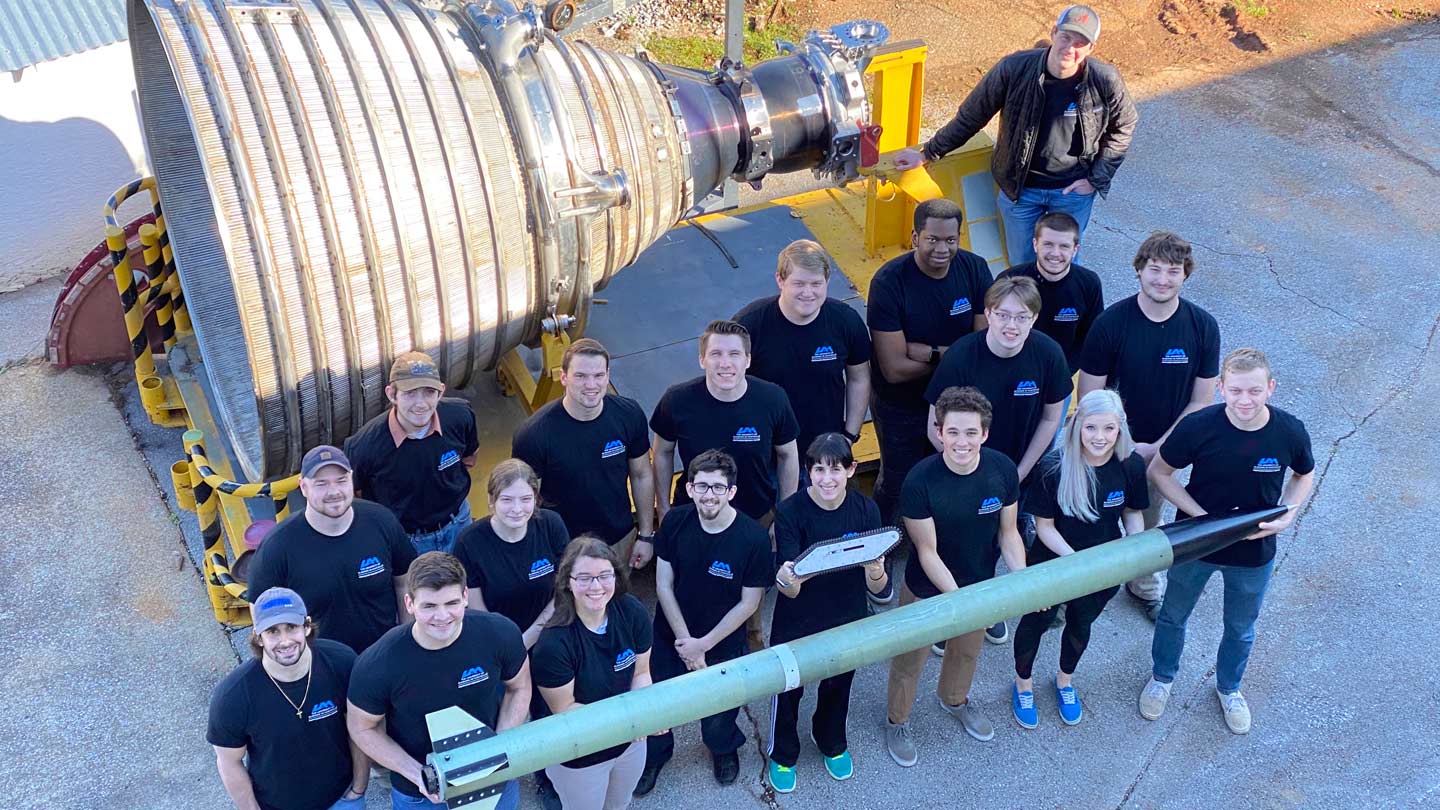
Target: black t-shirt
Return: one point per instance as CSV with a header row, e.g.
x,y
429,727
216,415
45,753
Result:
x,y
347,582
748,429
1154,366
827,600
1056,160
1238,469
807,361
423,481
1118,485
601,664
710,572
295,763
1068,307
926,310
516,580
966,510
1018,387
584,467
404,682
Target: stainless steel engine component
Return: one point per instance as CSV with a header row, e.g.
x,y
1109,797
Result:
x,y
347,180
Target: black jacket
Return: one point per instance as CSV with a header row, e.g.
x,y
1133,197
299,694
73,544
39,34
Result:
x,y
1015,89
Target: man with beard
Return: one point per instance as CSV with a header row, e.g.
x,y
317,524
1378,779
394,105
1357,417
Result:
x,y
713,564
591,450
919,304
448,656
346,557
1071,297
416,457
1162,354
277,721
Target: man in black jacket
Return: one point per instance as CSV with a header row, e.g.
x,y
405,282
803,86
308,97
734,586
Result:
x,y
1065,125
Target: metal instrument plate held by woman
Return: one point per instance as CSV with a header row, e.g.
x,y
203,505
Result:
x,y
846,552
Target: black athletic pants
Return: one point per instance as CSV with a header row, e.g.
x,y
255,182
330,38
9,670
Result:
x,y
832,708
719,731
1080,614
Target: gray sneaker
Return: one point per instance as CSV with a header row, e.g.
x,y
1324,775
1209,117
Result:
x,y
1237,711
1153,699
976,724
901,747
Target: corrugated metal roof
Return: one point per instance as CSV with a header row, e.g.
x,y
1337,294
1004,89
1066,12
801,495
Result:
x,y
33,31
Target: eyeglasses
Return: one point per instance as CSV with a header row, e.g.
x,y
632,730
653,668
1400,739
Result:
x,y
585,580
1019,319
706,489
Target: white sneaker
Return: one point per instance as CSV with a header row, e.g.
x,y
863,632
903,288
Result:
x,y
1236,710
1153,699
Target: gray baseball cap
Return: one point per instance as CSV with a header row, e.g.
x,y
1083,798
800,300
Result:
x,y
277,606
1081,20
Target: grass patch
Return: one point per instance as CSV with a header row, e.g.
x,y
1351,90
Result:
x,y
702,51
1254,9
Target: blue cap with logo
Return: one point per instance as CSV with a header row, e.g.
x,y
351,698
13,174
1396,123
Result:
x,y
323,456
1081,20
277,606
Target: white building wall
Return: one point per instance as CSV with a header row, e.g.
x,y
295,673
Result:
x,y
69,136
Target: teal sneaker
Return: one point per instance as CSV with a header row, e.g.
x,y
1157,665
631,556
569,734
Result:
x,y
782,779
840,768
1023,706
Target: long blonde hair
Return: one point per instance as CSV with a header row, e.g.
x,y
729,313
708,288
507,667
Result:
x,y
1075,494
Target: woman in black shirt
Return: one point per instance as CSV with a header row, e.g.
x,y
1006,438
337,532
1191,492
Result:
x,y
510,557
595,646
1085,491
824,510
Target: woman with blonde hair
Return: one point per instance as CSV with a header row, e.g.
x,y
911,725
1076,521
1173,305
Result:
x,y
1085,492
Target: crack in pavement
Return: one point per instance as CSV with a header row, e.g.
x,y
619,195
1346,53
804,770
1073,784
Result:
x,y
1390,397
1261,255
767,796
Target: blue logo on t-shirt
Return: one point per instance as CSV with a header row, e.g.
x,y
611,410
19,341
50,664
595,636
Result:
x,y
746,434
624,659
1070,111
472,676
613,448
989,505
322,710
1027,388
1067,315
450,459
541,567
1115,498
960,307
1175,357
370,566
722,570
823,353
1267,465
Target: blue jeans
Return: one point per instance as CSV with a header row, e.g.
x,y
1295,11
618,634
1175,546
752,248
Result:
x,y
1021,215
442,539
1244,592
509,798
349,804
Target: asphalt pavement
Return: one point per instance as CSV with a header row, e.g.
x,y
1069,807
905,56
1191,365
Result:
x,y
1307,187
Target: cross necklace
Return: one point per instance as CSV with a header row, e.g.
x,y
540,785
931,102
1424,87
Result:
x,y
298,707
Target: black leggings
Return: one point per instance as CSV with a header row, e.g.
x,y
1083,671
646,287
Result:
x,y
1080,614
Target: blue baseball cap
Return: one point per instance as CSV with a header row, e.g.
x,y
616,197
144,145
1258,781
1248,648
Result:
x,y
323,456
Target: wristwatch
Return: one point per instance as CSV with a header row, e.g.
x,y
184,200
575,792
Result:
x,y
853,437
934,355
645,538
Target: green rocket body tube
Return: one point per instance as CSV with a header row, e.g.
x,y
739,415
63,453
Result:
x,y
734,683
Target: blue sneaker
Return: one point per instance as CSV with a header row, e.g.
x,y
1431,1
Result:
x,y
1023,705
782,779
1070,710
